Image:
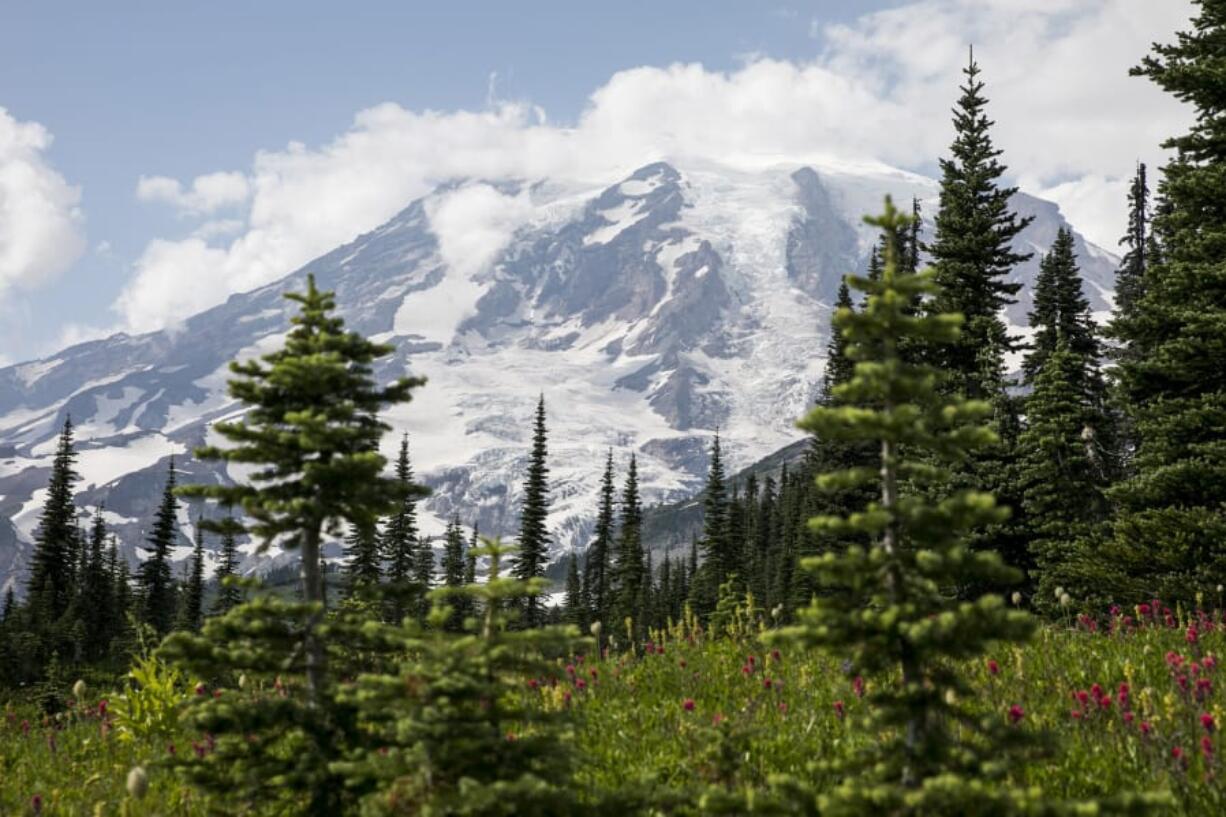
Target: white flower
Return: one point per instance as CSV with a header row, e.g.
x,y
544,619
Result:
x,y
78,690
1017,599
595,628
1065,599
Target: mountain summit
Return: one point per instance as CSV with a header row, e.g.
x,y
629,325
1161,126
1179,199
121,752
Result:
x,y
678,301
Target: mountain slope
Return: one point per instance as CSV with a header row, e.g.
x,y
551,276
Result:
x,y
650,312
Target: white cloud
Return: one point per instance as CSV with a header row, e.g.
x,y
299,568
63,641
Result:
x,y
207,194
1071,122
40,219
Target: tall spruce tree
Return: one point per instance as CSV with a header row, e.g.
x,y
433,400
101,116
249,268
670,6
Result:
x,y
453,571
229,593
574,611
96,596
597,568
971,249
191,599
1062,313
533,544
364,570
401,546
155,575
931,754
313,431
50,589
629,566
1063,479
1169,536
718,555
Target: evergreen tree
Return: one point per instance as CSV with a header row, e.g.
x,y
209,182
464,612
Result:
x,y
719,558
402,548
573,609
598,565
1169,537
364,570
1063,481
423,575
931,753
155,575
453,571
229,594
1062,313
312,425
533,535
838,368
55,542
191,600
629,567
96,596
464,741
971,249
1130,277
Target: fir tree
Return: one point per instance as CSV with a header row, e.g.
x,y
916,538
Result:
x,y
155,576
464,741
598,565
364,570
55,544
453,571
229,593
1062,478
1130,277
1169,536
573,608
629,567
971,249
401,547
931,753
96,596
717,552
312,426
838,368
191,601
533,536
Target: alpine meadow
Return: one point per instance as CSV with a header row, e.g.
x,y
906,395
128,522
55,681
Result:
x,y
720,474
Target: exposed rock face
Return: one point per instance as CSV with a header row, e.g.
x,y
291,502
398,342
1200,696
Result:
x,y
649,313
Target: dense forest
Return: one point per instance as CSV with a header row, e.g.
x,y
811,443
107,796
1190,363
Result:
x,y
949,517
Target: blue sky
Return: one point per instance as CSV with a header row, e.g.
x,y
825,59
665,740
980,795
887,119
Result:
x,y
182,90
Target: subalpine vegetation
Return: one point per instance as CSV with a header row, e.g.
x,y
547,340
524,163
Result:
x,y
982,592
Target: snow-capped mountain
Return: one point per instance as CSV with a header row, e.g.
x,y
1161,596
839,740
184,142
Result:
x,y
651,312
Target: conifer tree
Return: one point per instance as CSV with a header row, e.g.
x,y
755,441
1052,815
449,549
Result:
x,y
629,567
55,548
464,741
191,599
1169,537
312,427
971,250
453,571
838,367
597,567
229,594
1063,480
573,608
155,575
401,546
931,754
533,545
717,553
1129,287
96,596
423,575
364,570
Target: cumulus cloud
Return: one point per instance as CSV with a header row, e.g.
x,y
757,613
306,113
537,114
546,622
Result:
x,y
1071,122
41,230
207,193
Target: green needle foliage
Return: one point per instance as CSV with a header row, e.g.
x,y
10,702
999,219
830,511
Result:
x,y
313,430
893,614
457,728
1169,538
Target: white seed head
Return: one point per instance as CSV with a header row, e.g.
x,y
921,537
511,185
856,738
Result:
x,y
1017,599
1065,599
595,628
138,782
78,690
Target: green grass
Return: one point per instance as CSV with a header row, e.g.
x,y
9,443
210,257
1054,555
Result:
x,y
635,728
